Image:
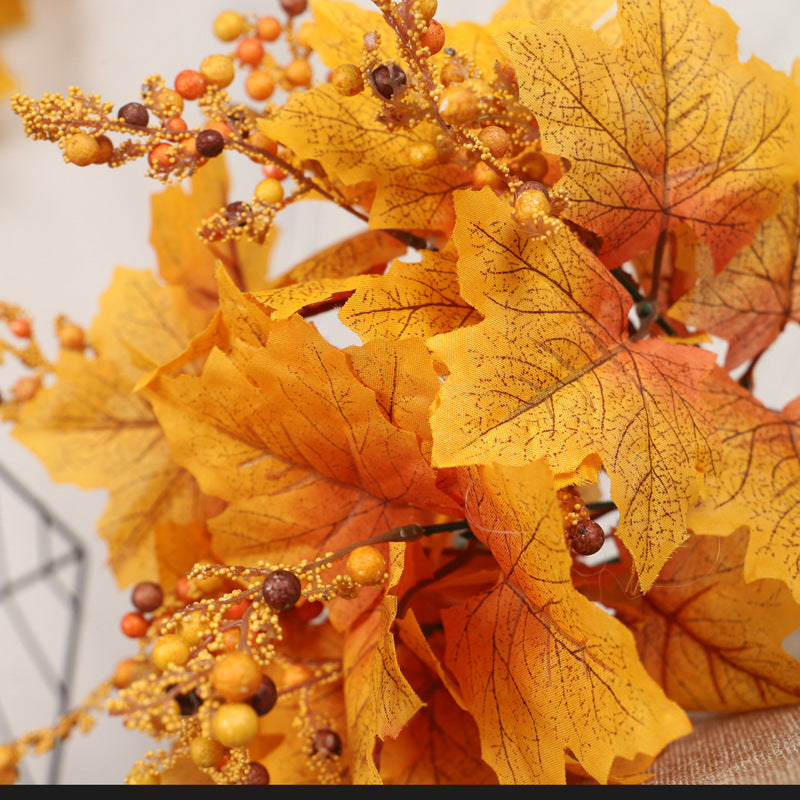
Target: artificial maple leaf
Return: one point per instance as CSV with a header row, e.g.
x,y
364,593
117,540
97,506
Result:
x,y
412,299
439,745
359,254
542,669
184,259
550,372
751,301
90,429
712,641
667,128
760,483
379,699
298,447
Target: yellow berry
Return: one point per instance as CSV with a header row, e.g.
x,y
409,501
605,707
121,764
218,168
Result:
x,y
269,191
206,752
427,9
366,566
139,776
531,204
347,79
169,649
229,25
235,724
305,34
81,149
236,676
170,102
218,70
8,757
422,155
193,628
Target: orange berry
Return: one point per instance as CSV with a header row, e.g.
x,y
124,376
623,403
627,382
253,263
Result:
x,y
189,146
453,72
458,106
268,29
218,70
237,610
250,51
259,85
366,565
81,149
263,142
8,757
182,589
105,149
269,191
347,79
531,204
169,649
127,671
190,84
229,25
26,388
134,624
70,337
433,38
495,139
235,724
207,752
219,126
274,171
20,327
236,676
296,674
176,124
299,72
162,156
484,175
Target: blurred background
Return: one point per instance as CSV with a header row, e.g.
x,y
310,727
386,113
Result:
x,y
62,232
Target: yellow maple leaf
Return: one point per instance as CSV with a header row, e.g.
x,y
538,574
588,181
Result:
x,y
90,429
542,669
636,121
759,484
412,299
550,372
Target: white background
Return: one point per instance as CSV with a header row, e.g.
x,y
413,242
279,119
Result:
x,y
64,229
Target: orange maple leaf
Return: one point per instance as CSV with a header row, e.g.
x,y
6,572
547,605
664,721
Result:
x,y
542,669
550,372
669,127
751,301
712,641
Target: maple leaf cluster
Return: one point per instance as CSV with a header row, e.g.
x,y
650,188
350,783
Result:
x,y
558,216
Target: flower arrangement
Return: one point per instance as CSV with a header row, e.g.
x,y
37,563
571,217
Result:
x,y
379,563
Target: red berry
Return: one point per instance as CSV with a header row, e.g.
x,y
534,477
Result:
x,y
281,589
294,7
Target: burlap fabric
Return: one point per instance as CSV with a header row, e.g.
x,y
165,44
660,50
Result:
x,y
757,747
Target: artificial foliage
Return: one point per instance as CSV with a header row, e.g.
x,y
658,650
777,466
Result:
x,y
377,564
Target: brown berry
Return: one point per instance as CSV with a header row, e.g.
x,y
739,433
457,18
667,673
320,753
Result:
x,y
257,775
237,213
326,743
586,538
265,696
147,596
209,143
281,589
388,79
294,7
134,114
